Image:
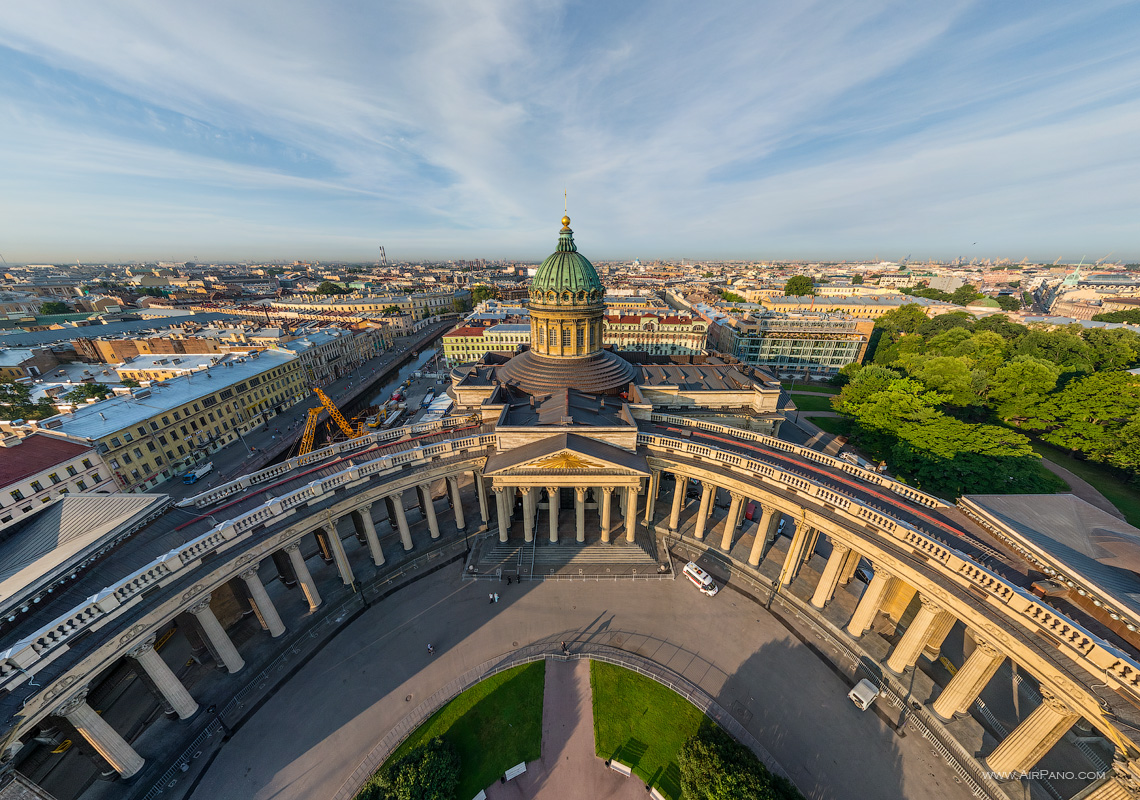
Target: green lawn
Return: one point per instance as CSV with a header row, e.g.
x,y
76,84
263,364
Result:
x,y
643,724
1108,481
841,426
493,725
826,388
811,402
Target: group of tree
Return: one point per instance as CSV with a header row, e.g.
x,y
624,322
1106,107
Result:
x,y
16,402
484,291
54,307
714,766
88,391
944,399
732,297
427,772
799,285
962,296
1132,315
328,288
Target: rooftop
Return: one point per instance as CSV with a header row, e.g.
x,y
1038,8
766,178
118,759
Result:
x,y
35,454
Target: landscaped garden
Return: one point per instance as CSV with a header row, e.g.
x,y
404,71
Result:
x,y
490,728
811,402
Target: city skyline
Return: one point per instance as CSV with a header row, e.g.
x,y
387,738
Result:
x,y
444,131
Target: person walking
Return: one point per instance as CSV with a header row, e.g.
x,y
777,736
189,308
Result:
x,y
431,650
491,598
496,597
565,649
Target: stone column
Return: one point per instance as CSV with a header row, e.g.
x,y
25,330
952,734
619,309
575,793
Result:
x,y
308,586
849,567
262,604
163,678
362,521
938,633
552,491
529,496
217,635
870,602
481,490
651,496
501,512
830,577
100,735
607,509
968,682
731,521
795,555
429,510
402,520
580,513
906,652
767,515
339,556
630,513
707,490
456,503
284,569
1034,737
680,486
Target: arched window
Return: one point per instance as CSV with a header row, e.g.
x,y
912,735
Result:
x,y
565,337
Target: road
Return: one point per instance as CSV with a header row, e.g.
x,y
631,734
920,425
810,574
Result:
x,y
314,731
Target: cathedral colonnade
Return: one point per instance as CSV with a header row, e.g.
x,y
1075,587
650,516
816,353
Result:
x,y
586,502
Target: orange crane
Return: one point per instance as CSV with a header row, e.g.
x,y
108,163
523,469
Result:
x,y
310,434
337,417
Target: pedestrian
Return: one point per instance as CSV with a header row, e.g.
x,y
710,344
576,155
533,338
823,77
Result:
x,y
496,597
508,580
565,649
431,650
490,597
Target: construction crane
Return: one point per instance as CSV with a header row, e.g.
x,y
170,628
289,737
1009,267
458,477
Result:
x,y
310,434
337,417
383,257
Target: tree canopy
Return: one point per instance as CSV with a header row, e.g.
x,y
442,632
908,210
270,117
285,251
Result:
x,y
428,772
732,297
1131,315
328,288
85,391
715,767
483,291
799,285
16,402
54,307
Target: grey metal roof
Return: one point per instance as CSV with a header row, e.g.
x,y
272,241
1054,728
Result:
x,y
38,338
51,543
567,441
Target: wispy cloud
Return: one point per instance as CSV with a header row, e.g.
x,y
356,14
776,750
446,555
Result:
x,y
762,130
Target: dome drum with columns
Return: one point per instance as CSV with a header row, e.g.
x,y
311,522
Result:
x,y
567,305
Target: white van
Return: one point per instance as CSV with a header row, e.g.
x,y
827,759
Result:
x,y
863,694
701,579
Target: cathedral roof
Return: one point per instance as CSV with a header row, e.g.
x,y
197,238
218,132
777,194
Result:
x,y
566,270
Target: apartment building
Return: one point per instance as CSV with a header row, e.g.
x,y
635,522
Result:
x,y
796,344
40,468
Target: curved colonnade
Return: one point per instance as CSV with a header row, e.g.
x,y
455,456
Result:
x,y
1004,619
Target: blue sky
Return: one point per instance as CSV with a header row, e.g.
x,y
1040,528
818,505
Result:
x,y
298,130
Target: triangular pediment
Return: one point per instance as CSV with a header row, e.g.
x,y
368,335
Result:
x,y
567,453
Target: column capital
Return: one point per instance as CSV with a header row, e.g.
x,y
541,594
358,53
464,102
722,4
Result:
x,y
526,490
201,606
552,489
289,548
608,490
69,705
1048,698
249,573
929,604
737,497
364,508
143,646
986,646
580,492
499,489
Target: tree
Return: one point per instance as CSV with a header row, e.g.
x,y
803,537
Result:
x,y
328,288
391,310
732,297
130,383
799,285
965,294
1002,326
427,772
1112,348
857,280
716,767
54,307
16,402
85,391
1021,385
951,376
1090,414
904,319
1008,302
1061,347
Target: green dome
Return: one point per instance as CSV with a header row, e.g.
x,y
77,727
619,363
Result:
x,y
567,270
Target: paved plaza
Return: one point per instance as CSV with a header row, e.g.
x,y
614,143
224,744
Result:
x,y
316,729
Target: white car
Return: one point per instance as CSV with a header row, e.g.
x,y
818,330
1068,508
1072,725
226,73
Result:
x,y
701,579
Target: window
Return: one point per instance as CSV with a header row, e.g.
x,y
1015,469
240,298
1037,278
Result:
x,y
37,486
150,446
96,477
162,440
176,416
153,425
565,337
114,463
115,442
54,478
141,430
16,494
166,420
137,452
181,450
127,437
81,486
127,458
135,474
581,337
86,463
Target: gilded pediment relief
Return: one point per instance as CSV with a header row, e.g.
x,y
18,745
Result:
x,y
564,460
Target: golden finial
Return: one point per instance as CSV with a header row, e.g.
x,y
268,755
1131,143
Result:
x,y
566,222
565,219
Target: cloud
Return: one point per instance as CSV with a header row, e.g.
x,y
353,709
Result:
x,y
450,128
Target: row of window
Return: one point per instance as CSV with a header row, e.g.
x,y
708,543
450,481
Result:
x,y
38,487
